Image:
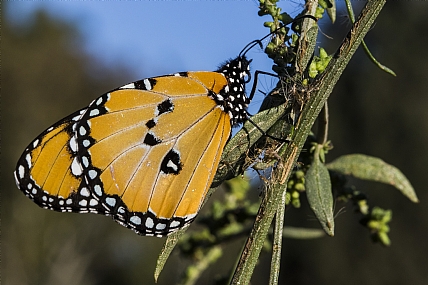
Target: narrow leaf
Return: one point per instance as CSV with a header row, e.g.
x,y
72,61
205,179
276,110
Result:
x,y
302,233
318,191
169,245
366,49
331,11
374,169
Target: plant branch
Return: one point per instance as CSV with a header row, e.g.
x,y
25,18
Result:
x,y
322,135
277,241
324,86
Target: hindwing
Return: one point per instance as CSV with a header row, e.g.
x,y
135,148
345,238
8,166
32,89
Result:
x,y
48,171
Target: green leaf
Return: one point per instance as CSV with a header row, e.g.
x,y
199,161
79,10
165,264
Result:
x,y
366,49
331,11
169,245
318,191
325,3
285,18
302,233
374,169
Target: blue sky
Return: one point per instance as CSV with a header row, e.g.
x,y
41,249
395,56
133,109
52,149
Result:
x,y
155,38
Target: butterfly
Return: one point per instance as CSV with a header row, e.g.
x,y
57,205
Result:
x,y
145,153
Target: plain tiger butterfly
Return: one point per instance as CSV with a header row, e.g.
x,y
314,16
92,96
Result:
x,y
145,153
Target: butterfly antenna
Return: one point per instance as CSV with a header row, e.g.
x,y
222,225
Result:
x,y
251,45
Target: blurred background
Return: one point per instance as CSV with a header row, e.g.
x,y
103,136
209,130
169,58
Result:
x,y
58,56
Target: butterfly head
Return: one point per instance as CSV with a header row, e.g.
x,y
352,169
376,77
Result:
x,y
232,99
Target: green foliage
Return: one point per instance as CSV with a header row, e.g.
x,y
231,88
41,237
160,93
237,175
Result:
x,y
374,169
319,63
318,192
377,221
295,185
322,185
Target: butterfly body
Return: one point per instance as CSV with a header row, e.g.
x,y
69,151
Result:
x,y
145,153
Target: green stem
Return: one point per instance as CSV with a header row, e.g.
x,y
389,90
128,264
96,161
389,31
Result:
x,y
277,241
322,135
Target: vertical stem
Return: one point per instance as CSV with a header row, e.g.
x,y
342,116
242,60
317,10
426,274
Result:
x,y
277,241
322,135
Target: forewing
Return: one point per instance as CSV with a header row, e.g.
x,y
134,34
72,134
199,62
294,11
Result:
x,y
150,149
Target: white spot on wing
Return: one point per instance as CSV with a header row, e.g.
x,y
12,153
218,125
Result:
x,y
97,189
75,167
128,86
28,159
82,131
94,112
111,201
21,171
35,143
160,226
73,144
16,179
85,192
86,143
149,223
85,161
147,84
135,220
92,174
172,165
189,217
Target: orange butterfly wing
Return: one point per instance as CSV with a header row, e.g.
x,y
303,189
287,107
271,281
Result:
x,y
154,150
145,154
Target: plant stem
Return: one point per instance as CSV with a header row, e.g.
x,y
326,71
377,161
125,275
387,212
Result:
x,y
324,86
277,241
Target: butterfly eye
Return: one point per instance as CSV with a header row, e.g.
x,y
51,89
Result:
x,y
248,78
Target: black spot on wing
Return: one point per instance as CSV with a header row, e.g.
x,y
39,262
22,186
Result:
x,y
165,107
171,163
151,140
150,123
